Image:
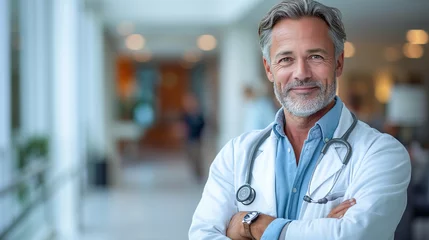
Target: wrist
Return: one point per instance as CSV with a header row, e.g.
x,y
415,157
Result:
x,y
248,220
258,227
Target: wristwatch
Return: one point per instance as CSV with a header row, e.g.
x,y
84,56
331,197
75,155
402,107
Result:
x,y
248,219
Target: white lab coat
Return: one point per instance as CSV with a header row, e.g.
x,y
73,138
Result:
x,y
377,176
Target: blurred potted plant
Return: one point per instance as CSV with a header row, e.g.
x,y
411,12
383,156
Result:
x,y
34,148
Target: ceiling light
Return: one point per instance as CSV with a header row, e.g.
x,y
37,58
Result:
x,y
349,50
125,28
413,50
417,36
135,42
206,42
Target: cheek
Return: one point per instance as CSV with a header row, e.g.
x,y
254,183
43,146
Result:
x,y
323,72
282,76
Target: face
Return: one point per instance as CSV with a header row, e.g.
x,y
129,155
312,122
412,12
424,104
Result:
x,y
302,65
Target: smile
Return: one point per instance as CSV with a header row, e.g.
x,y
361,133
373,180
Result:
x,y
303,90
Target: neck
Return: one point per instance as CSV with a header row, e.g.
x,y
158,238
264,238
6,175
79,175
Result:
x,y
297,128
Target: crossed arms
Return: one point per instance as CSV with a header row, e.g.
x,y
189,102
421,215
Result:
x,y
379,185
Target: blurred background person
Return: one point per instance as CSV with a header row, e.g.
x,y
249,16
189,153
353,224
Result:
x,y
259,109
192,130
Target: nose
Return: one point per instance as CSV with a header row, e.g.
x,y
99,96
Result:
x,y
302,71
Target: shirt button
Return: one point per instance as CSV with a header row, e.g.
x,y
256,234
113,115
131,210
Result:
x,y
326,140
288,150
294,190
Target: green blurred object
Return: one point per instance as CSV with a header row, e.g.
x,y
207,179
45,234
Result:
x,y
35,147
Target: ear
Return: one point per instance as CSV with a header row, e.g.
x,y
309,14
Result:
x,y
267,68
340,65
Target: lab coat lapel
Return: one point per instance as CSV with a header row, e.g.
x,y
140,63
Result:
x,y
325,172
332,162
263,177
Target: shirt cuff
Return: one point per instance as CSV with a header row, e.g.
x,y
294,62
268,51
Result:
x,y
274,229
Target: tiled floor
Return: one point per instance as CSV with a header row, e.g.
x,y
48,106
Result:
x,y
155,202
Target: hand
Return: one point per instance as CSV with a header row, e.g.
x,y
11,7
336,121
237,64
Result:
x,y
236,231
340,210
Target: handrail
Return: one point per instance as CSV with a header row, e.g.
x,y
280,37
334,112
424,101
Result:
x,y
47,191
33,172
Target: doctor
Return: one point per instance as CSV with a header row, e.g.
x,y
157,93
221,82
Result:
x,y
353,178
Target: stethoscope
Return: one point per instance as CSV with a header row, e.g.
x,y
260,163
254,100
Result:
x,y
246,194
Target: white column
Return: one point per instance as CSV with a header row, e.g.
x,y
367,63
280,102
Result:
x,y
240,63
95,83
65,113
34,68
5,124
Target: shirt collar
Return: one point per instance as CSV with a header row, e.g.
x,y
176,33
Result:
x,y
279,123
328,123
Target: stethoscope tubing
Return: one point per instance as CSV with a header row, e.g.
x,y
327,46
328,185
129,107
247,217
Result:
x,y
342,140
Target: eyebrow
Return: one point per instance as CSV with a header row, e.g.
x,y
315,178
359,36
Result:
x,y
317,50
283,53
310,51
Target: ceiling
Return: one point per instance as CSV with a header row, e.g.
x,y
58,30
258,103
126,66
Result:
x,y
170,27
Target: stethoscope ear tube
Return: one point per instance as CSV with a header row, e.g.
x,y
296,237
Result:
x,y
343,141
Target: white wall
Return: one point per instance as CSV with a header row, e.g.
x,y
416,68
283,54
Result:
x,y
240,61
5,111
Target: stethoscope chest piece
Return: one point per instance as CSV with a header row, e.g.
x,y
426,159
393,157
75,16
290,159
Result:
x,y
246,194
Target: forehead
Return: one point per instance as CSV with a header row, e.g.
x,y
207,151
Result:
x,y
307,32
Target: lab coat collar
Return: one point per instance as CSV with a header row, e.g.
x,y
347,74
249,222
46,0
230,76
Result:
x,y
332,162
263,177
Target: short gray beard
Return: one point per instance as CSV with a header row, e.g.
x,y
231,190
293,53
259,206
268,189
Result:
x,y
303,106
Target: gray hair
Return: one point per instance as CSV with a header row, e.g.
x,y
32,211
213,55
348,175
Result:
x,y
296,9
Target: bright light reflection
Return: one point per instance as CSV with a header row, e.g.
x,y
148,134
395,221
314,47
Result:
x,y
135,42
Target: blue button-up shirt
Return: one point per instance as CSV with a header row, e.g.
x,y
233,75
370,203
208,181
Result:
x,y
291,180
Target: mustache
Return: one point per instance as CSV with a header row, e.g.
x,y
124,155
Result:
x,y
306,83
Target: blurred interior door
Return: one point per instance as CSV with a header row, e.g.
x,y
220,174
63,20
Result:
x,y
174,80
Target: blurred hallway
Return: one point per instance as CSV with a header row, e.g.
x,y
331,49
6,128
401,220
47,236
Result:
x,y
92,101
156,201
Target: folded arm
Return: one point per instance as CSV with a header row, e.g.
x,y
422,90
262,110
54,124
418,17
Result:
x,y
380,188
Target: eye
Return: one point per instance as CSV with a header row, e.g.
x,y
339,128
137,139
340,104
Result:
x,y
316,57
286,60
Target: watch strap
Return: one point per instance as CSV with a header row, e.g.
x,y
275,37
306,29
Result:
x,y
247,230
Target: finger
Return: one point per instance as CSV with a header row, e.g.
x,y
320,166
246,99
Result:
x,y
338,210
344,206
340,214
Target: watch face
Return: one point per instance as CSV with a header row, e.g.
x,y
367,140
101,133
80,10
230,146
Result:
x,y
250,216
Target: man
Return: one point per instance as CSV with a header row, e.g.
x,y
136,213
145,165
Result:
x,y
356,189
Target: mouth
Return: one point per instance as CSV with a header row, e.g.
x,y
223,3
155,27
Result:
x,y
304,89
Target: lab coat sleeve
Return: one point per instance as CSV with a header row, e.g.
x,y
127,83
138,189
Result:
x,y
379,186
217,205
